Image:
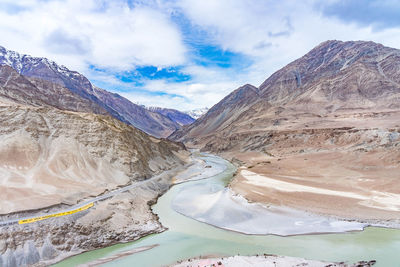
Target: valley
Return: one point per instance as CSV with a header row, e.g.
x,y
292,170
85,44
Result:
x,y
319,135
77,172
186,238
305,165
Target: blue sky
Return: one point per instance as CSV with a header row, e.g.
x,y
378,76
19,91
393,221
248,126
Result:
x,y
187,54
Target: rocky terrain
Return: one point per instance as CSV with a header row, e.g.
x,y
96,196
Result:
x,y
266,261
327,121
23,90
125,217
58,148
50,156
102,102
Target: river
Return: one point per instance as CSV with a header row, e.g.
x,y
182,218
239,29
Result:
x,y
187,238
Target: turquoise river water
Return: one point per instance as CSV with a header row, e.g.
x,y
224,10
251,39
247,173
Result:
x,y
187,238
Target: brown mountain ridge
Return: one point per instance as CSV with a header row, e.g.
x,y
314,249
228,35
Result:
x,y
45,71
328,120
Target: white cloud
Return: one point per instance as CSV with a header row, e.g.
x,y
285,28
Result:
x,y
191,96
78,33
181,96
207,86
155,100
243,26
274,33
116,37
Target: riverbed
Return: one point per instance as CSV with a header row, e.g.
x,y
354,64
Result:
x,y
187,238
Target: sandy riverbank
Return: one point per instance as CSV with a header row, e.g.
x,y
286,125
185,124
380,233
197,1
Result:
x,y
212,203
329,183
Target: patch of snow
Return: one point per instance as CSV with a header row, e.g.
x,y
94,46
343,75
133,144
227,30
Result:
x,y
19,62
197,113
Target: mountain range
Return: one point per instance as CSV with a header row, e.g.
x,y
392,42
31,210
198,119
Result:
x,y
101,101
334,78
321,128
177,116
55,141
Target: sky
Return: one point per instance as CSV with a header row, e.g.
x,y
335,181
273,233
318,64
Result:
x,y
187,54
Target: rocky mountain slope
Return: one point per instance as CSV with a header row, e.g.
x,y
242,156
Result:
x,y
17,88
50,156
176,116
151,122
59,148
56,148
117,106
220,115
334,77
329,120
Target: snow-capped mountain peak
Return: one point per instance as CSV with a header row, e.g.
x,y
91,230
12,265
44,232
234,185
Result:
x,y
197,113
23,63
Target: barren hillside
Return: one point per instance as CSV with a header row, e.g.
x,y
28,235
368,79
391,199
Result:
x,y
329,120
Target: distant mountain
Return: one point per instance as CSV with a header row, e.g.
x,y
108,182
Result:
x,y
103,101
219,116
196,113
151,122
174,115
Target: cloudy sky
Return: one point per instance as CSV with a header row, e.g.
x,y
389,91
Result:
x,y
187,54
